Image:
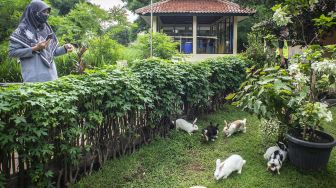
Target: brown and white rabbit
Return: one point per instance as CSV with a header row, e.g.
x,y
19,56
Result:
x,y
236,126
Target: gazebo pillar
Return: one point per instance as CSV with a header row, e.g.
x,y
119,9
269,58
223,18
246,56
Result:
x,y
194,34
155,24
235,34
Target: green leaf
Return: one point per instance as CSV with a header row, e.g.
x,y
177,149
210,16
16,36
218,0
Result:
x,y
230,96
331,78
19,119
256,107
275,7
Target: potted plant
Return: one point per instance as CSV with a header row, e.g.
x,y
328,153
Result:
x,y
289,97
308,147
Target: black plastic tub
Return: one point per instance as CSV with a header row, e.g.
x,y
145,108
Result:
x,y
310,155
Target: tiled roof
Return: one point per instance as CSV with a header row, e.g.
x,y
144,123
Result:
x,y
195,6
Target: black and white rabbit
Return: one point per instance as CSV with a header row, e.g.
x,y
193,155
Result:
x,y
210,132
276,155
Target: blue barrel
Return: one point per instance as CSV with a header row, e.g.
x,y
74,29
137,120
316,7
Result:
x,y
183,48
188,47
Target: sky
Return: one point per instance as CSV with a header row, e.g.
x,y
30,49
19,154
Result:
x,y
107,4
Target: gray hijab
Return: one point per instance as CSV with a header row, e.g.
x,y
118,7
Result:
x,y
32,30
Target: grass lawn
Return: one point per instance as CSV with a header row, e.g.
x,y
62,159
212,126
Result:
x,y
183,161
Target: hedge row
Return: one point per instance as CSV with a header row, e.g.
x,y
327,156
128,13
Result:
x,y
56,131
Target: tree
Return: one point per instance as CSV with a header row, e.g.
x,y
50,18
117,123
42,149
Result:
x,y
263,12
292,96
80,24
244,27
64,6
121,29
10,14
118,14
311,19
120,33
132,5
266,3
308,20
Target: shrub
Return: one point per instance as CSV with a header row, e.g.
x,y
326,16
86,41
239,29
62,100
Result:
x,y
103,50
71,123
163,46
65,64
10,70
256,52
226,75
131,54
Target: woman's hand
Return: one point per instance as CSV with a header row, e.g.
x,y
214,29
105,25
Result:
x,y
41,45
283,61
69,47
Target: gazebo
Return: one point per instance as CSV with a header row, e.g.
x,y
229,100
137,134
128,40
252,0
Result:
x,y
200,26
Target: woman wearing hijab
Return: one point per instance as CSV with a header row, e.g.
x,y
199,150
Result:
x,y
32,46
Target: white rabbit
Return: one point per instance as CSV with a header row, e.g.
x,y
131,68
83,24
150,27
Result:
x,y
238,125
186,126
224,169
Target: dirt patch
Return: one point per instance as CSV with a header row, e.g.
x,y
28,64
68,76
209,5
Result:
x,y
139,173
194,153
194,166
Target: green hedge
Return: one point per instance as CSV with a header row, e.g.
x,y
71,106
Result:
x,y
225,77
57,127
